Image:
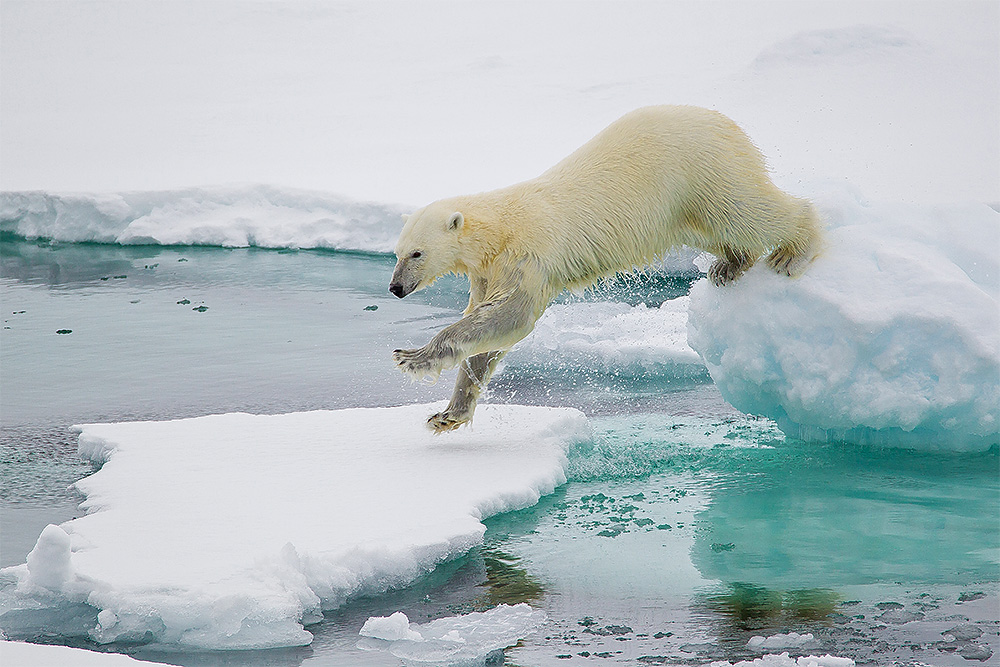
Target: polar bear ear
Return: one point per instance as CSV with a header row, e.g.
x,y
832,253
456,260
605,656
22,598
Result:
x,y
405,217
456,220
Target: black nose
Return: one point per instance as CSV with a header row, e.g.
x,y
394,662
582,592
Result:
x,y
397,290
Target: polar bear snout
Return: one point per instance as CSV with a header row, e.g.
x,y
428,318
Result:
x,y
404,281
400,289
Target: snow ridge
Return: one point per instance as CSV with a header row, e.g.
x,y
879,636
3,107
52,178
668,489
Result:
x,y
232,217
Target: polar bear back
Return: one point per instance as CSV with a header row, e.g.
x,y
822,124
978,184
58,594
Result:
x,y
656,178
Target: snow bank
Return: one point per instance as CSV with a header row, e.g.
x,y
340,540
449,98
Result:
x,y
235,530
233,217
891,336
610,337
455,640
20,654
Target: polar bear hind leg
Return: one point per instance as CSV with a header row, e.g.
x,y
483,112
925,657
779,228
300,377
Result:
x,y
791,257
731,265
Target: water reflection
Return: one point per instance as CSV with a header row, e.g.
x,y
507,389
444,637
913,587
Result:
x,y
68,265
506,581
807,515
78,265
752,607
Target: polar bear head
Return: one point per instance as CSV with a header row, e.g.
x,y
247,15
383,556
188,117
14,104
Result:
x,y
429,247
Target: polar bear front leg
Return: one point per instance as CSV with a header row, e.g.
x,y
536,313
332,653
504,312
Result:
x,y
473,375
424,363
492,325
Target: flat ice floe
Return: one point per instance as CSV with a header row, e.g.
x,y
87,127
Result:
x,y
235,530
891,336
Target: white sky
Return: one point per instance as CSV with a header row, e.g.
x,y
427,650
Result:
x,y
409,102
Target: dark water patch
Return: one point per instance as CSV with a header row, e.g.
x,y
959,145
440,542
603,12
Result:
x,y
971,597
38,465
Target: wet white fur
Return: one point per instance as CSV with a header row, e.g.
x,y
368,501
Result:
x,y
657,178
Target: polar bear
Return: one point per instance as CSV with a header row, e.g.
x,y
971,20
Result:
x,y
657,178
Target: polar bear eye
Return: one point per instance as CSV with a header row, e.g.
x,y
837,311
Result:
x,y
416,254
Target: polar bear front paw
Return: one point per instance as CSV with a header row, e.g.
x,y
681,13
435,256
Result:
x,y
442,422
418,364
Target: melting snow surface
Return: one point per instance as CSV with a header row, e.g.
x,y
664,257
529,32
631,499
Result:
x,y
235,530
891,336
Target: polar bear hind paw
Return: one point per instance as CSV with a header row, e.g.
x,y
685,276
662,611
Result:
x,y
443,422
417,364
729,267
785,261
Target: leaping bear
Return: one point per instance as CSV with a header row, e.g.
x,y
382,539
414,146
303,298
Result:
x,y
657,178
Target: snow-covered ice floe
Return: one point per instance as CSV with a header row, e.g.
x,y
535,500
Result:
x,y
232,217
236,530
20,654
454,640
891,336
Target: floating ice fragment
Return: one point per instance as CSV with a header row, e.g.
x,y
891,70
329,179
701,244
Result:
x,y
964,632
390,628
453,640
783,660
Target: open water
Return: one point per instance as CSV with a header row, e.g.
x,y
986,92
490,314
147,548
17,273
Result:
x,y
685,529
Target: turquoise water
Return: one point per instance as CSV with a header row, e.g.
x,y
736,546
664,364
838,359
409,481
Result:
x,y
685,529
